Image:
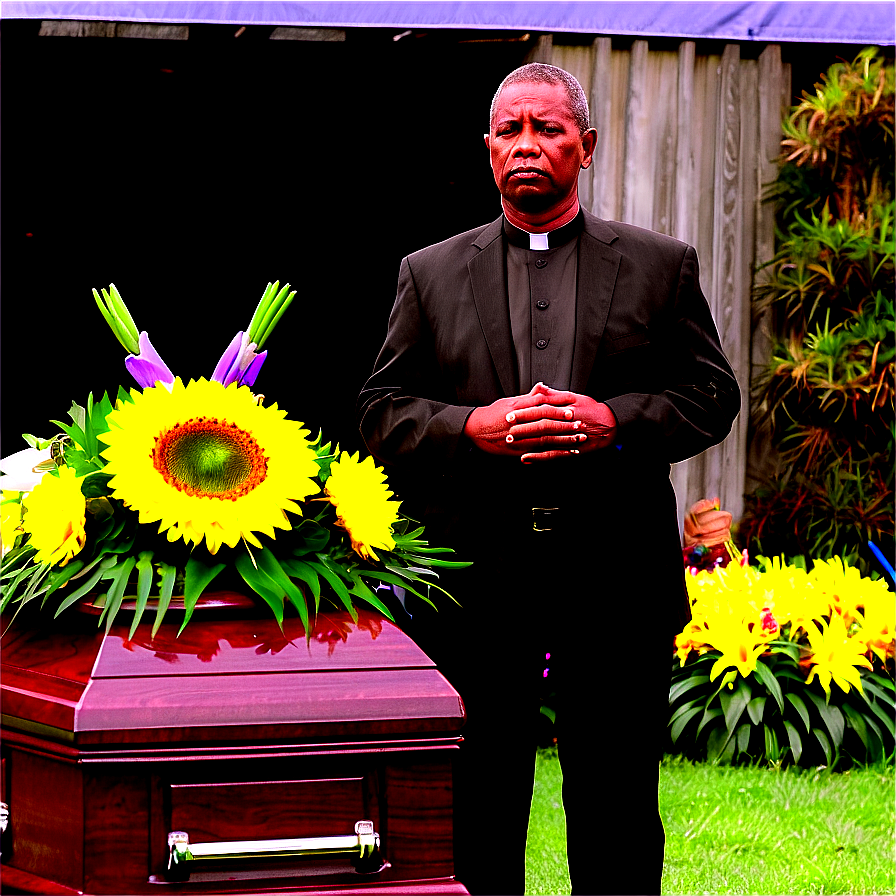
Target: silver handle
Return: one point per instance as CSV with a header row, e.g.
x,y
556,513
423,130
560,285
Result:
x,y
362,845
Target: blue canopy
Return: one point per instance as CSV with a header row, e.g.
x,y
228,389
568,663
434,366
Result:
x,y
818,22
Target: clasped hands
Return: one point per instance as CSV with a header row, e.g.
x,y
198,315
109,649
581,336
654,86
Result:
x,y
544,424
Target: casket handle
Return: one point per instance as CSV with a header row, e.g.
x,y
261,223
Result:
x,y
363,847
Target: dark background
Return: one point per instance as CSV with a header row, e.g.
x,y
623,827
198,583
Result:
x,y
190,173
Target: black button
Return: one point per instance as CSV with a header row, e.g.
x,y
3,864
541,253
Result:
x,y
541,304
540,262
542,343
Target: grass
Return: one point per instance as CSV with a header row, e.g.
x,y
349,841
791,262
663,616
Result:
x,y
745,830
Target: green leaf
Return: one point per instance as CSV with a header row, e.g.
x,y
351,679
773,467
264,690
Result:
x,y
877,692
362,590
681,688
119,575
144,583
336,584
877,739
742,739
681,722
734,703
766,677
857,723
261,583
299,569
884,713
720,746
796,744
831,716
880,680
166,589
772,748
755,709
96,485
800,707
197,578
105,564
268,563
788,648
825,744
60,577
710,716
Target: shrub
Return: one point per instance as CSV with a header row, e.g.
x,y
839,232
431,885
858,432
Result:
x,y
826,397
781,664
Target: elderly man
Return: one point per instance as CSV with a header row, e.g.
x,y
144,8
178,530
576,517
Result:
x,y
539,375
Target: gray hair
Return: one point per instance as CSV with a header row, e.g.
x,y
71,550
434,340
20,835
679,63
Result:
x,y
540,73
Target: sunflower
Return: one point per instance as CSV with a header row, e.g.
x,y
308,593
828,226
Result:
x,y
358,491
55,513
208,462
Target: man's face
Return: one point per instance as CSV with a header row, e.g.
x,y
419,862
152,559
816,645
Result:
x,y
536,148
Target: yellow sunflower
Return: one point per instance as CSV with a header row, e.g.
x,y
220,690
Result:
x,y
358,491
208,462
55,513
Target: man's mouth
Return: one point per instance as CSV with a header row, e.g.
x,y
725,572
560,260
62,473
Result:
x,y
526,173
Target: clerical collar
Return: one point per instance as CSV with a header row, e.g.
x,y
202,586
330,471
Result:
x,y
550,240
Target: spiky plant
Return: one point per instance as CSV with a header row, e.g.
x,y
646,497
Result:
x,y
826,397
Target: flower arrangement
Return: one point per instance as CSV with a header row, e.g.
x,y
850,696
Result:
x,y
174,486
779,659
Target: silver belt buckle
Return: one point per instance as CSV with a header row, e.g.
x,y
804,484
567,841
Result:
x,y
542,517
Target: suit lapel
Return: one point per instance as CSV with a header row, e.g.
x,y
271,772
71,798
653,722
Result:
x,y
598,268
487,278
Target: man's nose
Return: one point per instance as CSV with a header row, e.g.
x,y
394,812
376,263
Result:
x,y
527,143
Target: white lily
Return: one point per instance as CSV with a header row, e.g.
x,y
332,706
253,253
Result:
x,y
21,471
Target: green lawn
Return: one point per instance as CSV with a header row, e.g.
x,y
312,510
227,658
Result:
x,y
745,831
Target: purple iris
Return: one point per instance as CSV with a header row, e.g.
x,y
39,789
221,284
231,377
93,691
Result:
x,y
147,367
240,364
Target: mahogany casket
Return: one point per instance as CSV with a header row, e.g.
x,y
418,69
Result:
x,y
236,758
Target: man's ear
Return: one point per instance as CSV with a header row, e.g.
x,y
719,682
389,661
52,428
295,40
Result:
x,y
485,137
589,144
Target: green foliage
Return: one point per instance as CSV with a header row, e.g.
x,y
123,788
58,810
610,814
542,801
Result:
x,y
773,717
826,397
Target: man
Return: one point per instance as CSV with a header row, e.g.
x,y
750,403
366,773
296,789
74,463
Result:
x,y
539,375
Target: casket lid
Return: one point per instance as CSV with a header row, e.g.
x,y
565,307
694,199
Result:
x,y
226,676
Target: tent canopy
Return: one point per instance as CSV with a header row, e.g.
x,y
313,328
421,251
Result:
x,y
818,22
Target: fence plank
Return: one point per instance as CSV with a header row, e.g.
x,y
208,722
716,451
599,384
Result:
x,y
685,140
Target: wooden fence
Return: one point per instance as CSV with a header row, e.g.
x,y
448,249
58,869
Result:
x,y
687,142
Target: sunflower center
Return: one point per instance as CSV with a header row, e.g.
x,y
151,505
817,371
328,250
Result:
x,y
209,458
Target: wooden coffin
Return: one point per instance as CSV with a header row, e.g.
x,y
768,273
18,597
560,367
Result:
x,y
235,737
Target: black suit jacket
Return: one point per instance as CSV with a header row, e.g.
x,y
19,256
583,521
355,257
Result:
x,y
645,344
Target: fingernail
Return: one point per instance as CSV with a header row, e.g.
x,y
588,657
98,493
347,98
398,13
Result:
x,y
510,417
574,451
578,424
581,437
509,438
568,414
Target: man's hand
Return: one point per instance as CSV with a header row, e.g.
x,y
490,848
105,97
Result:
x,y
706,524
544,424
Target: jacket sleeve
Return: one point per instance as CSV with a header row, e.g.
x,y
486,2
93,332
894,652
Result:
x,y
688,397
407,409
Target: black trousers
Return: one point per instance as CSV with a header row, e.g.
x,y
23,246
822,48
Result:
x,y
529,593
